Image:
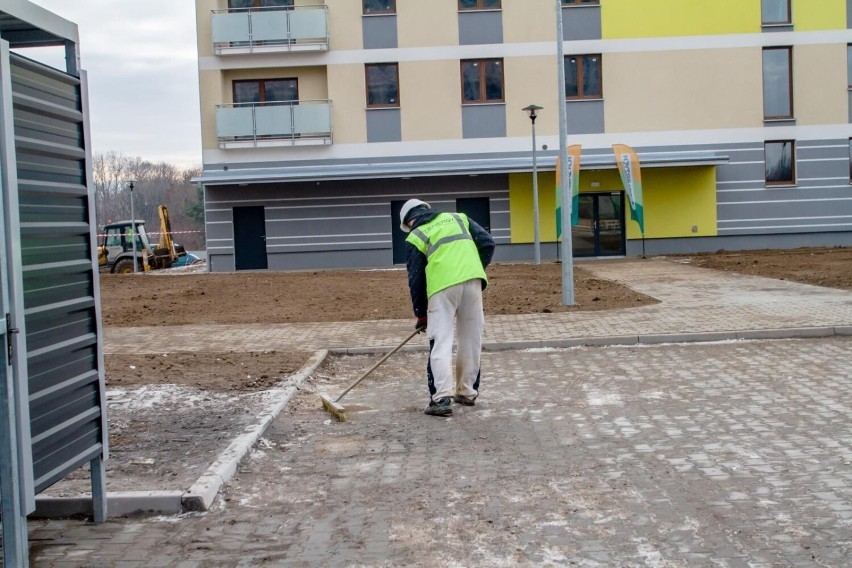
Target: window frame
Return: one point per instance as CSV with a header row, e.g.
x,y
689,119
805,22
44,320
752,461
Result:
x,y
262,90
789,50
257,6
482,84
367,85
479,6
782,183
581,3
365,12
580,59
788,22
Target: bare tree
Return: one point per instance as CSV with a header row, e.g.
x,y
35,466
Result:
x,y
154,184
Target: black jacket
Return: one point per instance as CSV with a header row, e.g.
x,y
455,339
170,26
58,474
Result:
x,y
415,261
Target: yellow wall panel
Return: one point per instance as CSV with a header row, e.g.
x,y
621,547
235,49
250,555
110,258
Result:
x,y
814,15
345,82
204,25
675,199
823,66
665,18
426,24
683,90
430,100
520,27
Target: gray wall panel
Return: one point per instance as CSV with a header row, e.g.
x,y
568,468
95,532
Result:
x,y
484,121
221,262
585,117
739,242
384,125
480,27
379,32
62,322
341,259
581,22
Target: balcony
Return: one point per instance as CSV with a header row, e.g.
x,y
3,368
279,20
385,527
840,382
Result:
x,y
270,30
274,124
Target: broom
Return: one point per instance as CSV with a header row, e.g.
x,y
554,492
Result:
x,y
334,407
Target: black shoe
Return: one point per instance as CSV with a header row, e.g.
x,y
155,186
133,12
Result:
x,y
465,400
443,407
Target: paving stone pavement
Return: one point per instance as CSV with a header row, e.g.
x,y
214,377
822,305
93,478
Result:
x,y
733,453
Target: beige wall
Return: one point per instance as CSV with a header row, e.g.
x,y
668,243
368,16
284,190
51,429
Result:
x,y
531,80
344,24
427,23
820,88
430,97
529,21
204,24
346,89
656,91
210,86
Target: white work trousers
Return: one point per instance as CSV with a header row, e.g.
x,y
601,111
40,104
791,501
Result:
x,y
461,304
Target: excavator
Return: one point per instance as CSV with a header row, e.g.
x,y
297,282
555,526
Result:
x,y
115,248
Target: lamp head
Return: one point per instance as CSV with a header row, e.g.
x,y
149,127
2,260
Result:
x,y
532,110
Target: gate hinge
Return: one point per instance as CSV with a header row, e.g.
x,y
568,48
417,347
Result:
x,y
10,331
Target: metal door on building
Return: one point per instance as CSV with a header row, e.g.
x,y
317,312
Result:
x,y
250,238
477,208
600,230
397,234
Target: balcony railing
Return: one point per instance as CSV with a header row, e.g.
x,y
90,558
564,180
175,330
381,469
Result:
x,y
271,124
270,30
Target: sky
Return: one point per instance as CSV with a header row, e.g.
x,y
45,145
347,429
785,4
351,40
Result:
x,y
141,59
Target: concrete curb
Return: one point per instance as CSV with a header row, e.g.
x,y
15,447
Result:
x,y
202,493
650,339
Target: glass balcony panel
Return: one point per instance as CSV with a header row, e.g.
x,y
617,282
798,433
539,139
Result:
x,y
228,28
308,24
232,122
269,25
275,120
312,118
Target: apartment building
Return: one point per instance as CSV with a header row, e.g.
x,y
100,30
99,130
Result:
x,y
320,120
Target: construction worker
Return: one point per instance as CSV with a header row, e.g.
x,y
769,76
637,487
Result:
x,y
446,257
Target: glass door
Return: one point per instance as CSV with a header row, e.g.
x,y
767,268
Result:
x,y
600,230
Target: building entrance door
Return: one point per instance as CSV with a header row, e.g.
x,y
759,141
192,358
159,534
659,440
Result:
x,y
249,238
600,231
477,208
397,235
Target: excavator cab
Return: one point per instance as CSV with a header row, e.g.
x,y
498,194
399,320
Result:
x,y
115,249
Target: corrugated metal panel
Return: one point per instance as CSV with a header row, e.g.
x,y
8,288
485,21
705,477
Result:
x,y
66,417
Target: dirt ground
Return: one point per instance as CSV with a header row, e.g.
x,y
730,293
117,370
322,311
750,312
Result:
x,y
191,405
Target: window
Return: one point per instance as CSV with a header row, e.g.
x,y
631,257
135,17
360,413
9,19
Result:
x,y
849,65
266,91
482,81
775,12
236,4
780,162
380,6
382,84
583,77
850,160
576,2
778,83
479,4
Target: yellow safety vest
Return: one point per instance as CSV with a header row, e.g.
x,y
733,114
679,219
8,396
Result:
x,y
451,254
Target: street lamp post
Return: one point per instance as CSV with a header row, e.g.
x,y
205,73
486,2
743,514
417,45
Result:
x,y
566,197
130,185
532,112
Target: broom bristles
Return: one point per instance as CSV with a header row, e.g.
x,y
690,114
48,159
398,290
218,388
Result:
x,y
333,408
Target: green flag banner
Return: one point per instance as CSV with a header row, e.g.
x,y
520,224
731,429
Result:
x,y
631,176
573,182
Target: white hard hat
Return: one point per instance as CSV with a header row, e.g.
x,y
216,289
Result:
x,y
406,209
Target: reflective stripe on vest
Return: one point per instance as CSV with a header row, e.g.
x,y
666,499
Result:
x,y
432,247
453,258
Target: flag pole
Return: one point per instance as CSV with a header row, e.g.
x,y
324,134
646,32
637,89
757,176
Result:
x,y
566,196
